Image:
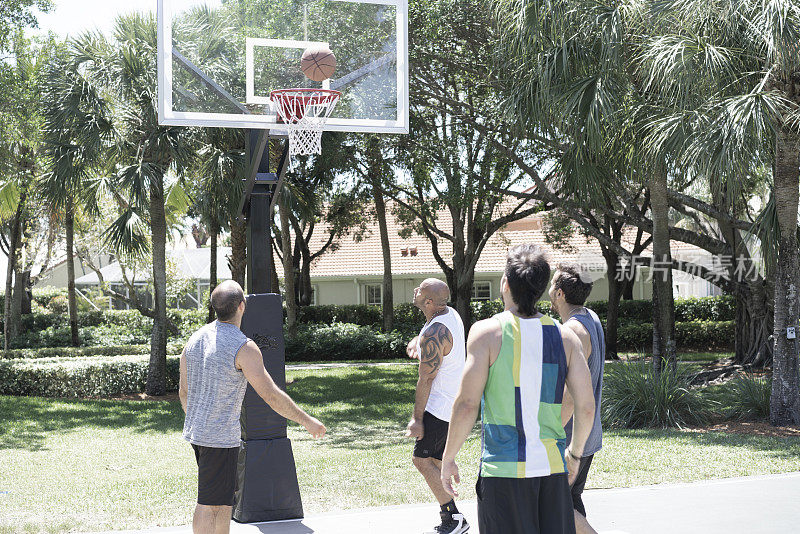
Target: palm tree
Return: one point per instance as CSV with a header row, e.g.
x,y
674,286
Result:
x,y
574,83
733,68
20,163
124,71
76,130
220,162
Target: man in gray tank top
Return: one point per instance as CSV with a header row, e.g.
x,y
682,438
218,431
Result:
x,y
216,366
569,290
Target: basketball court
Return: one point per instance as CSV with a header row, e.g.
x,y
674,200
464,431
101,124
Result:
x,y
763,504
286,72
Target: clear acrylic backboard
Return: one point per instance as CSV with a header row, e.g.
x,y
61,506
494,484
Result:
x,y
219,60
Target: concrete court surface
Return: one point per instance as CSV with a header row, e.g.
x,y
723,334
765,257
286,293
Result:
x,y
752,505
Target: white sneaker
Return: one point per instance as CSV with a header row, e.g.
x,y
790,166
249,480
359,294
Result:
x,y
455,524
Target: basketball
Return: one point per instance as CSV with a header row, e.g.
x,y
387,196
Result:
x,y
318,63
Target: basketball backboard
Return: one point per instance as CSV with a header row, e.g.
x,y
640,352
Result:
x,y
218,61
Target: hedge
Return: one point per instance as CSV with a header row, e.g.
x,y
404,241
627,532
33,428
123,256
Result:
x,y
344,341
94,376
109,327
721,308
690,335
39,373
72,352
80,377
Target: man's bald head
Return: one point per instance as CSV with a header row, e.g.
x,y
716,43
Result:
x,y
436,290
225,299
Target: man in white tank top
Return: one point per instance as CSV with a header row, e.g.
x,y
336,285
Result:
x,y
441,350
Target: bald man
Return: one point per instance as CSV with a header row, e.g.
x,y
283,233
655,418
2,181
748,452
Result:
x,y
216,365
441,350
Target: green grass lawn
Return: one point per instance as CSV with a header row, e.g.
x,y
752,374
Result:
x,y
100,465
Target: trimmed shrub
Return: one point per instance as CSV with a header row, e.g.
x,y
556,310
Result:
x,y
360,314
80,377
76,352
690,335
344,341
633,397
108,327
58,304
747,397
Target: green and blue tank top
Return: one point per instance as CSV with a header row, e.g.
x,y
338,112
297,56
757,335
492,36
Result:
x,y
521,405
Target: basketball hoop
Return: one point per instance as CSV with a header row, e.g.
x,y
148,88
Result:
x,y
304,111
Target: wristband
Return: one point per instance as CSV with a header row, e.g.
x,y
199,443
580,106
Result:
x,y
569,451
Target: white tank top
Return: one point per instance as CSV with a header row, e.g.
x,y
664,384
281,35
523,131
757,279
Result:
x,y
445,384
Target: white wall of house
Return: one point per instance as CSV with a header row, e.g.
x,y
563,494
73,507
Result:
x,y
360,289
57,275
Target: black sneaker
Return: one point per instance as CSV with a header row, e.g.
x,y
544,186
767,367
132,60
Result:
x,y
451,524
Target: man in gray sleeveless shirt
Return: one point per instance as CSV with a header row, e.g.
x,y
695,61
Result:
x,y
216,365
569,290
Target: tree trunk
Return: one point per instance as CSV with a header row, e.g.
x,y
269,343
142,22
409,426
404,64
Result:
x,y
388,291
754,324
19,290
462,298
664,345
157,372
212,267
785,399
20,275
238,258
288,267
306,287
627,287
11,323
27,293
273,274
612,308
69,223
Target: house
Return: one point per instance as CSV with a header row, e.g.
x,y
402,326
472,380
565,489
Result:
x,y
353,273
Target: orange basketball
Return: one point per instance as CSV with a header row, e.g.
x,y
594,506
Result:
x,y
318,63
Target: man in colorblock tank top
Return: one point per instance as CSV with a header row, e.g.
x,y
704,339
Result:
x,y
518,363
569,290
441,350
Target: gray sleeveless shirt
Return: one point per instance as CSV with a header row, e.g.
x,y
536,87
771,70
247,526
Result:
x,y
596,362
216,386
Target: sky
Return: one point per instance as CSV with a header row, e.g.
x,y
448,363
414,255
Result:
x,y
72,17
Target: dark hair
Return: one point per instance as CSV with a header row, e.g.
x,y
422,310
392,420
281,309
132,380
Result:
x,y
572,280
527,272
225,300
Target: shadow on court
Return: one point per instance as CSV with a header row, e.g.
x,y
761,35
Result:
x,y
756,505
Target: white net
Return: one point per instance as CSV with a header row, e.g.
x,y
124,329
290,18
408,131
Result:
x,y
305,112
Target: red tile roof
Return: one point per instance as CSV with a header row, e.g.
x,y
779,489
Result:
x,y
365,257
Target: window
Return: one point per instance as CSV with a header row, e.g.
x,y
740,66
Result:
x,y
314,291
481,291
374,294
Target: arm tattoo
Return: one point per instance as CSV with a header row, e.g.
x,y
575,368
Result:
x,y
433,346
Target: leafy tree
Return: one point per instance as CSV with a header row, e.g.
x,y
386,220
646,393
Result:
x,y
733,72
16,15
21,166
451,167
218,188
76,134
374,163
124,69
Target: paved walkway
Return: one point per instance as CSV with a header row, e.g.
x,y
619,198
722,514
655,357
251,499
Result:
x,y
751,505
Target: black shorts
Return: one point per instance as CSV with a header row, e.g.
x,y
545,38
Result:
x,y
540,505
434,438
580,482
216,475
